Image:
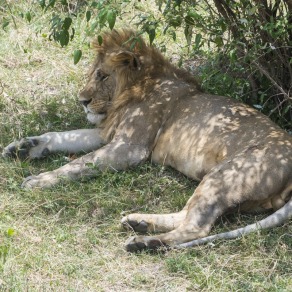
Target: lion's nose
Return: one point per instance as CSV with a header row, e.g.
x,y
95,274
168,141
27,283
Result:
x,y
86,102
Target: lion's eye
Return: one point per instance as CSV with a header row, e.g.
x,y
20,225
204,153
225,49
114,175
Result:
x,y
100,76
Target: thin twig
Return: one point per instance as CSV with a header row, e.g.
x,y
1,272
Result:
x,y
277,107
264,71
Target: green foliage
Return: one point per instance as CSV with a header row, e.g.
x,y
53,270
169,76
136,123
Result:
x,y
250,42
247,44
61,30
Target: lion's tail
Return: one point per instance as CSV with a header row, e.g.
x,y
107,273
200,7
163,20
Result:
x,y
275,219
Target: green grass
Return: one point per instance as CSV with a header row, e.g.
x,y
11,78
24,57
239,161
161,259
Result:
x,y
68,238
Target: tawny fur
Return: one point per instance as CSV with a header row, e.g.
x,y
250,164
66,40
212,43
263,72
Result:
x,y
146,108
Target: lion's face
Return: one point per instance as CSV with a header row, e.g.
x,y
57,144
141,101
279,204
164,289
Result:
x,y
115,69
97,94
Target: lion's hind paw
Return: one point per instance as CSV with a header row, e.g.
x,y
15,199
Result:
x,y
138,243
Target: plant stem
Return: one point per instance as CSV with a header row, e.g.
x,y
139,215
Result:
x,y
9,8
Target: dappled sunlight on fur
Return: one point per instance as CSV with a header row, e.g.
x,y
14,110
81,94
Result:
x,y
146,108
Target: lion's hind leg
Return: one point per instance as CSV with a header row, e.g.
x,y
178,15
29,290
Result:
x,y
196,222
245,177
208,202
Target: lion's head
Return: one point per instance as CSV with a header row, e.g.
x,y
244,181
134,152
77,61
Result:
x,y
114,56
125,68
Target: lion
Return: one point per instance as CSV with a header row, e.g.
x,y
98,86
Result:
x,y
145,108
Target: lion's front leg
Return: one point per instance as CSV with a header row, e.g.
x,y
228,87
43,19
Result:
x,y
74,141
114,156
78,168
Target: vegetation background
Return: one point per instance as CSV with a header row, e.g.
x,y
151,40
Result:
x,y
68,238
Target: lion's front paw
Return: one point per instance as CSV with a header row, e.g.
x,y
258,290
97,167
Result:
x,y
133,224
137,243
31,147
43,180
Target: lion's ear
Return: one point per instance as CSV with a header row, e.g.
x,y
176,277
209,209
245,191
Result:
x,y
127,59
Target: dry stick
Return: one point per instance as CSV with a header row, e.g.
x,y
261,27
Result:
x,y
263,70
277,107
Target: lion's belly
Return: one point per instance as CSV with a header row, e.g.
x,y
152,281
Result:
x,y
193,168
189,155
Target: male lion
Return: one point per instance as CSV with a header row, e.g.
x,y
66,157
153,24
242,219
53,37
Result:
x,y
145,108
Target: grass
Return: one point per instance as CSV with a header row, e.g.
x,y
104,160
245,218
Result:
x,y
68,238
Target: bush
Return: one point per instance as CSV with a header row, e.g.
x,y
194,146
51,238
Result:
x,y
247,43
251,49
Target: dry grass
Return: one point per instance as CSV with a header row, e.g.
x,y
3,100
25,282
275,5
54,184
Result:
x,y
69,238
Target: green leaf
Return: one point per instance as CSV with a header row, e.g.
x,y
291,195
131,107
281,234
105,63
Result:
x,y
252,10
88,15
151,33
193,14
51,3
111,18
42,3
218,41
173,34
198,39
188,34
4,249
67,23
175,21
63,38
5,23
73,34
28,16
94,4
102,16
232,55
189,20
10,232
100,40
77,56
